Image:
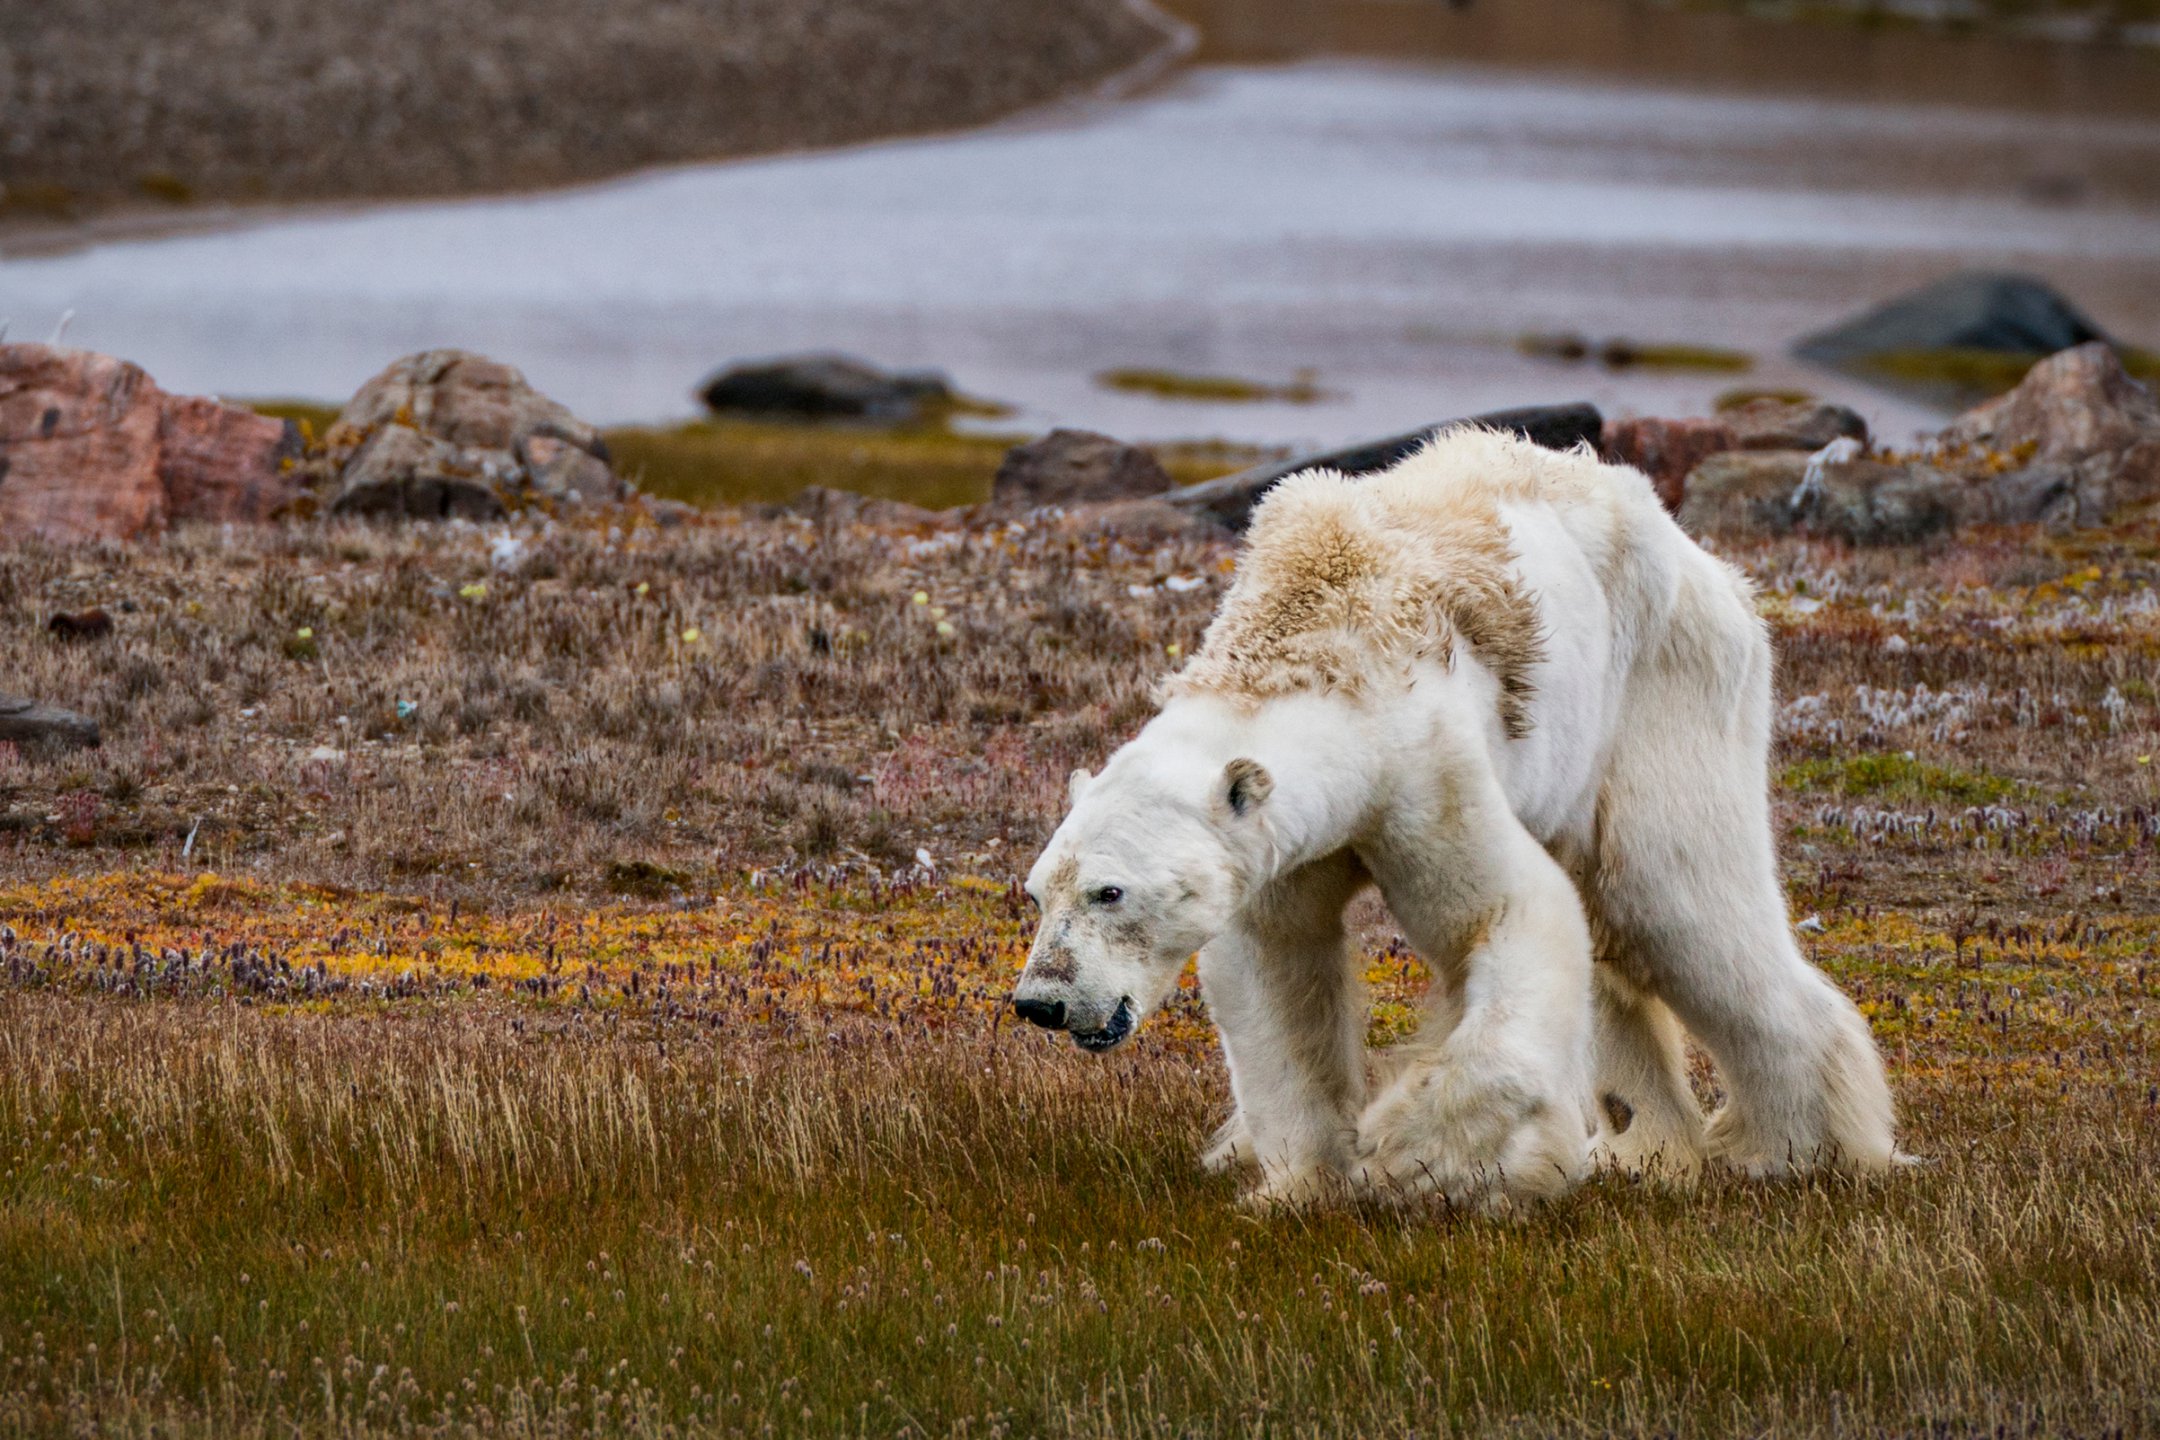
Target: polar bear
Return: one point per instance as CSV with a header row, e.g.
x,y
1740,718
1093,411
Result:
x,y
1499,683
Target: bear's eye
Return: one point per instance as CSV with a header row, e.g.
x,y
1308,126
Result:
x,y
1109,895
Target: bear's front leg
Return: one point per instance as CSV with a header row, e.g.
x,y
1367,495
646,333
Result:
x,y
1279,986
1492,1100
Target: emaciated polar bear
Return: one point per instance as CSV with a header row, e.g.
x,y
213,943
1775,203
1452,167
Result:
x,y
1501,684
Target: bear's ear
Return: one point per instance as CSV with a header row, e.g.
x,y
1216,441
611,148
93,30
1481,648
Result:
x,y
1246,784
1074,784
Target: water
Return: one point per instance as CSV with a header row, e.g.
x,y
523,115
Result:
x,y
1394,228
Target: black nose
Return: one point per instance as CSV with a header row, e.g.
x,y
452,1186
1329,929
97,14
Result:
x,y
1050,1014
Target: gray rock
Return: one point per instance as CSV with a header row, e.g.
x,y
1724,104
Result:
x,y
1075,467
400,472
25,722
2080,435
1230,500
826,387
1869,502
1743,492
828,506
562,471
1791,425
478,423
2014,314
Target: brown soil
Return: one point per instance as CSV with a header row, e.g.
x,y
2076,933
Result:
x,y
145,106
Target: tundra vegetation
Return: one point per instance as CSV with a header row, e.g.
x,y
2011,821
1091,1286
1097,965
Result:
x,y
548,980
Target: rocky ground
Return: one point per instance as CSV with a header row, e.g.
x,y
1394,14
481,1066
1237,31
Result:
x,y
108,103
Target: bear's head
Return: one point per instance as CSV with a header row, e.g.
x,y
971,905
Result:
x,y
1145,870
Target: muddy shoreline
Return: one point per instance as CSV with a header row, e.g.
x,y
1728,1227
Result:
x,y
124,118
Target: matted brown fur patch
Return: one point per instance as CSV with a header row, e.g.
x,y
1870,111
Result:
x,y
1344,583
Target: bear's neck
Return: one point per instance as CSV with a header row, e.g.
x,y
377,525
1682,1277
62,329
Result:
x,y
1319,752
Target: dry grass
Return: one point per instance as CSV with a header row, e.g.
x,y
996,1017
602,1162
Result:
x,y
669,1095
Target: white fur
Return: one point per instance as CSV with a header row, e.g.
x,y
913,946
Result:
x,y
1634,809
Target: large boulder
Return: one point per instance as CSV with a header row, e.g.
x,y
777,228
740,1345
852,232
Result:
x,y
92,449
397,471
1230,500
448,432
2011,314
826,387
2078,438
223,463
1075,467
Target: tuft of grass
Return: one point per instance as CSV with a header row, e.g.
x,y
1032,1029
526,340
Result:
x,y
1623,354
314,417
1898,776
1211,389
1736,398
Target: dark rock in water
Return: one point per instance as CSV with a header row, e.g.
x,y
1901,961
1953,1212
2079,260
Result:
x,y
25,722
1075,467
1942,327
1229,500
826,387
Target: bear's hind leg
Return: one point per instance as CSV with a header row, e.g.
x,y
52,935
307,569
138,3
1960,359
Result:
x,y
1651,1125
1684,880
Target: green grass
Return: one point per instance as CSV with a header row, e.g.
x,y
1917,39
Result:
x,y
1974,374
216,1220
1890,775
1214,389
1623,354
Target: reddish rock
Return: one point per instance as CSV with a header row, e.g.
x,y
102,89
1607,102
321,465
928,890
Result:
x,y
1666,450
78,446
92,449
222,463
